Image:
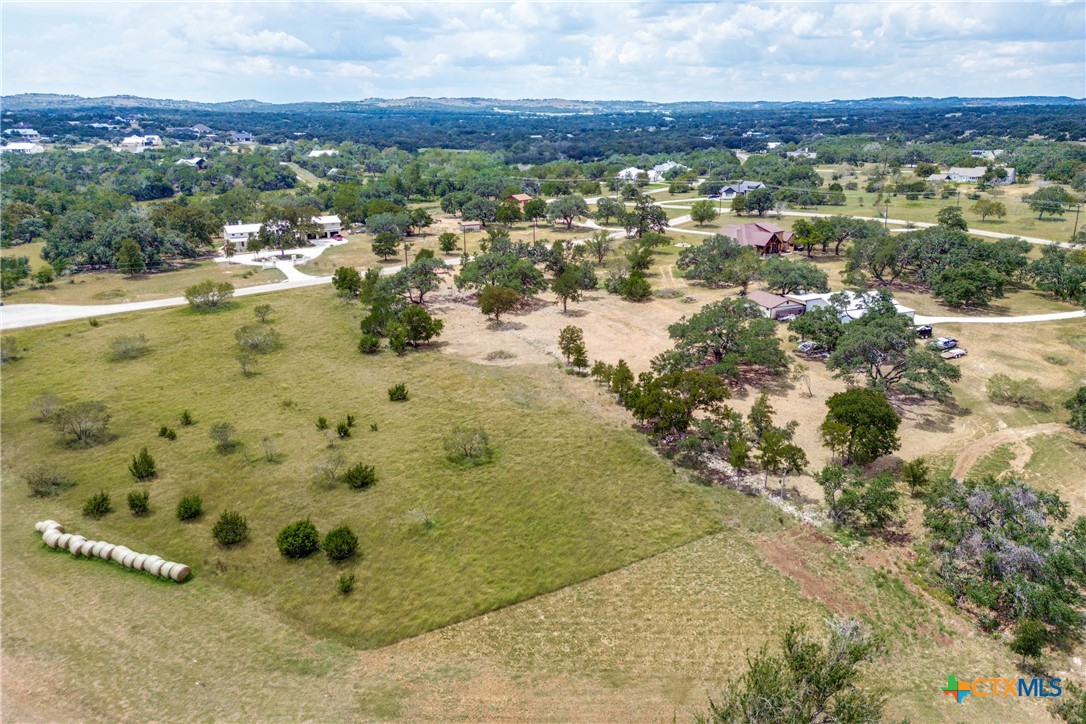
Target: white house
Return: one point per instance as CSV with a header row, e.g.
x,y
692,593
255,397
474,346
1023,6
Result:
x,y
856,304
958,174
197,162
27,134
656,173
801,153
318,152
22,147
241,137
630,174
329,225
239,235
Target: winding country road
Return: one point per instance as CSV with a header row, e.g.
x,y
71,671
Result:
x,y
17,316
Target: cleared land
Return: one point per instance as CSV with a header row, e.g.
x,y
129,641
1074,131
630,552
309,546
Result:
x,y
574,493
566,499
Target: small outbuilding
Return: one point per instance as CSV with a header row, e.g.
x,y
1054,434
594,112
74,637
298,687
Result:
x,y
774,306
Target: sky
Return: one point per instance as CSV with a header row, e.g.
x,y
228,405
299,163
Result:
x,y
655,51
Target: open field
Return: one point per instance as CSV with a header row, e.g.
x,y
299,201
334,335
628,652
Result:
x,y
559,504
573,494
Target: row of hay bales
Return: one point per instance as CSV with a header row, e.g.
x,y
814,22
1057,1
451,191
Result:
x,y
54,536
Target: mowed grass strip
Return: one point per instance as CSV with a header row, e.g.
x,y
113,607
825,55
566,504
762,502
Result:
x,y
568,497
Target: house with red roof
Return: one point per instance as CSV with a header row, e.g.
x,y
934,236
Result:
x,y
764,236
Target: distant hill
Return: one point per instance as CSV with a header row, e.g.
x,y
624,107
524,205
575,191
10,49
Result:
x,y
547,106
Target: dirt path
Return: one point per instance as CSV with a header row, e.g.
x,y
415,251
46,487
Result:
x,y
974,450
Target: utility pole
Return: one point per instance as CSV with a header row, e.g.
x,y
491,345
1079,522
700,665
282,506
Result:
x,y
886,216
958,197
1078,209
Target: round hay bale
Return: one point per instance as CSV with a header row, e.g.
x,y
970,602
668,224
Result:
x,y
166,569
128,559
96,549
87,549
106,551
51,538
118,553
63,541
44,525
75,544
180,572
137,562
155,566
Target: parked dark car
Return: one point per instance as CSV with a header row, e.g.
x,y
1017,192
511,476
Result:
x,y
924,331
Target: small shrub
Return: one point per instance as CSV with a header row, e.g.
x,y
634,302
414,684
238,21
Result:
x,y
270,448
329,468
667,293
45,406
369,344
345,584
45,481
472,445
85,421
360,476
398,392
247,361
9,349
190,507
1056,359
186,419
128,346
262,312
97,505
167,433
94,322
223,435
340,544
343,430
373,427
298,540
143,466
1004,390
322,423
499,354
423,518
208,295
258,338
350,420
139,502
230,529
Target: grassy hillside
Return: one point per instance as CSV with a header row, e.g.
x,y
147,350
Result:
x,y
568,497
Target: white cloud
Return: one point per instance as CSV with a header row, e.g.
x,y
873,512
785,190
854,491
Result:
x,y
735,50
267,41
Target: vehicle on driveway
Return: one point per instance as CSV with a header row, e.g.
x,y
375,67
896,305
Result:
x,y
812,349
337,237
954,353
924,331
943,343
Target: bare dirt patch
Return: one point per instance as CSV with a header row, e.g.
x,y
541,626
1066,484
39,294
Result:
x,y
972,452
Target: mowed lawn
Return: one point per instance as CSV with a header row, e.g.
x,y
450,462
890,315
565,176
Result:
x,y
568,497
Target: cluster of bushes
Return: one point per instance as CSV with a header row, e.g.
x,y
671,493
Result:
x,y
301,539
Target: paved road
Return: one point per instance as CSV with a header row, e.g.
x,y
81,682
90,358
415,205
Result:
x,y
1025,319
15,316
